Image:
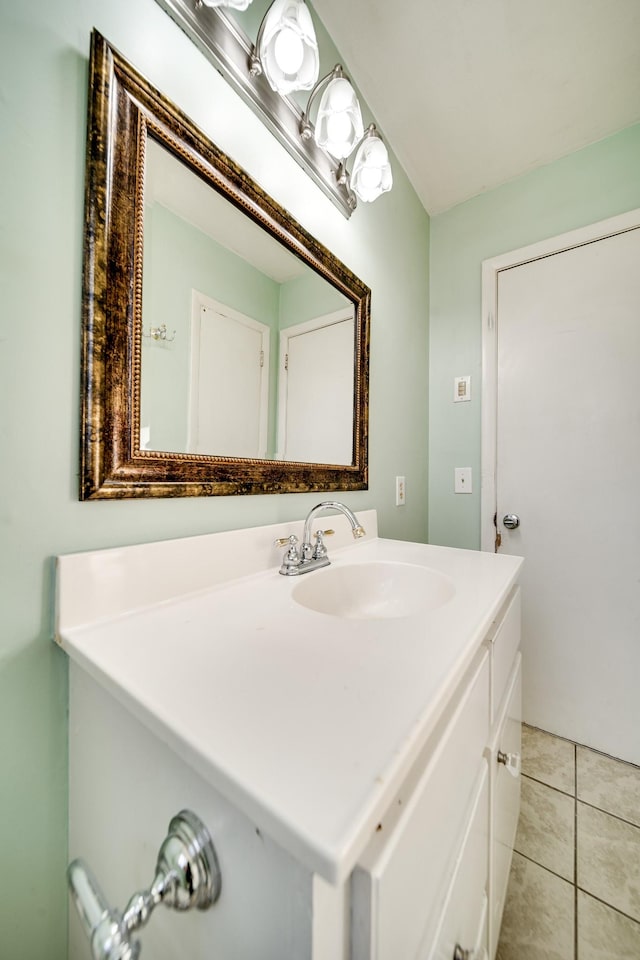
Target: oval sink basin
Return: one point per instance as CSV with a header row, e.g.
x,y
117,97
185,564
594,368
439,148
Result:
x,y
374,591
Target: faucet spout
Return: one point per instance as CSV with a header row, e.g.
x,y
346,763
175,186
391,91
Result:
x,y
356,528
307,557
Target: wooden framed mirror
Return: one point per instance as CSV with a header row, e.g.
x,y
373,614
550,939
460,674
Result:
x,y
225,350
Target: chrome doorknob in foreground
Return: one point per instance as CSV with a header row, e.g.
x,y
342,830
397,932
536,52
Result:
x,y
512,762
187,875
511,521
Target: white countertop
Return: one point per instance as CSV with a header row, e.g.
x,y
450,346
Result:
x,y
307,722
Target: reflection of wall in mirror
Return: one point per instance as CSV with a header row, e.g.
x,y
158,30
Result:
x,y
179,257
307,297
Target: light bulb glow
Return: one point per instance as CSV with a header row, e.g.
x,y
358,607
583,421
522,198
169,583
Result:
x,y
371,174
339,127
370,178
340,94
288,50
339,122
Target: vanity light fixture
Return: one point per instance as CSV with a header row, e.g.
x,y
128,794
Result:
x,y
283,59
286,49
339,124
371,175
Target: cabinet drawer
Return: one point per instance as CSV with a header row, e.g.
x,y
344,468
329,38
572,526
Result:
x,y
505,801
505,644
400,881
464,920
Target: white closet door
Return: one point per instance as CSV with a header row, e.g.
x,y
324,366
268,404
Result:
x,y
568,465
316,395
228,415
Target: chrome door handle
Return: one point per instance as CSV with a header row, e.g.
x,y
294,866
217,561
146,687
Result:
x,y
511,521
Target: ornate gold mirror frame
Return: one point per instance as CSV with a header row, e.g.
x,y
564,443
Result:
x,y
124,109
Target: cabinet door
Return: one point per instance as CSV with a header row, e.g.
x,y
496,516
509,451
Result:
x,y
399,886
505,643
464,920
505,799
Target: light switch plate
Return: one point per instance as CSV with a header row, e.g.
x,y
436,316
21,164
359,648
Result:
x,y
461,389
462,480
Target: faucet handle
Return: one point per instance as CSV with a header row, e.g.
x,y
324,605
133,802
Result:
x,y
319,549
286,541
291,559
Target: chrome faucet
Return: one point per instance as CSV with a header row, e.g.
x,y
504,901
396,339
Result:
x,y
311,556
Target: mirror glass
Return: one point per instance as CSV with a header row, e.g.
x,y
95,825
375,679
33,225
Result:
x,y
246,351
225,350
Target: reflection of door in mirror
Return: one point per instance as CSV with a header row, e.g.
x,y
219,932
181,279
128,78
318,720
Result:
x,y
315,420
229,372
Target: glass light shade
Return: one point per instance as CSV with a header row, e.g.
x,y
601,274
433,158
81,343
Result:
x,y
371,175
288,49
339,122
233,4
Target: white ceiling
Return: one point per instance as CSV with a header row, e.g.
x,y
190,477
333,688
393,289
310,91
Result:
x,y
472,93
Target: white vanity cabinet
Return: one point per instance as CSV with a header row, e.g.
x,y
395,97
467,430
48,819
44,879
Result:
x,y
434,876
504,755
399,886
350,778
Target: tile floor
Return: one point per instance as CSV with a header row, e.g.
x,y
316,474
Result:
x,y
574,889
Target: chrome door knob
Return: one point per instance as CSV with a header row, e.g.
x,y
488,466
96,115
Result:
x,y
511,521
512,762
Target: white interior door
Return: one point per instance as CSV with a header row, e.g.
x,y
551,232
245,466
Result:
x,y
567,464
315,403
228,413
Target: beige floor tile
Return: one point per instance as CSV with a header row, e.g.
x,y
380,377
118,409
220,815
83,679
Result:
x,y
548,759
609,859
546,828
609,784
603,933
538,915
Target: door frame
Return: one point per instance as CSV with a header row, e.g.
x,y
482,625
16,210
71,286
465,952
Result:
x,y
491,270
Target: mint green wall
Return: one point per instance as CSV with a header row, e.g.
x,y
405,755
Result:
x,y
595,183
177,259
307,297
43,75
